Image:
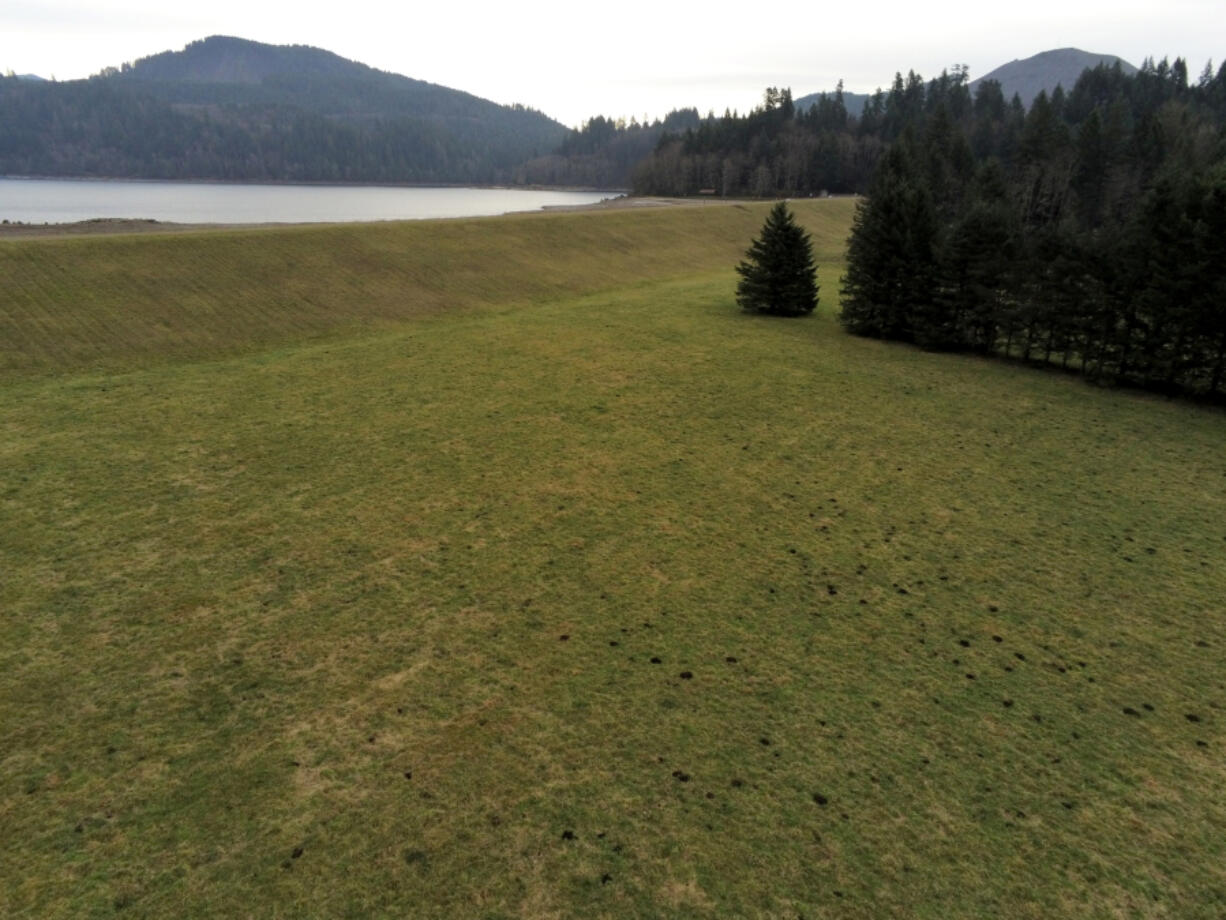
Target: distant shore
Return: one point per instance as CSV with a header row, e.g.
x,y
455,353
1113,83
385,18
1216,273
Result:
x,y
308,183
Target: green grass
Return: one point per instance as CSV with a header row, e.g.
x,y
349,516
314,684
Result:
x,y
116,303
244,595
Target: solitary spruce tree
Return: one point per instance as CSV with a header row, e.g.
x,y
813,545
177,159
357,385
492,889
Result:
x,y
778,276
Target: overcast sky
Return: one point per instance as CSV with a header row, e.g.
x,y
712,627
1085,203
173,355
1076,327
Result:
x,y
634,57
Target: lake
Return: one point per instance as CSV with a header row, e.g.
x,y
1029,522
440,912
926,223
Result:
x,y
37,201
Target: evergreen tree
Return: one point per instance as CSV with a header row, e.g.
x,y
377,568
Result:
x,y
891,255
1091,171
779,276
974,282
1209,248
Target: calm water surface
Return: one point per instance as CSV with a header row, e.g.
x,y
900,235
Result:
x,y
38,201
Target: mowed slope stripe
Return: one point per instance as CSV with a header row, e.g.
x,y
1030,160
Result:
x,y
112,302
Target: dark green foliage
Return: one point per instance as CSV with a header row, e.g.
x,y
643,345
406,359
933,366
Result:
x,y
604,151
778,275
1093,235
782,149
891,263
1090,171
974,276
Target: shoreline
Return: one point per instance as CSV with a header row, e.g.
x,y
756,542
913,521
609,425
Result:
x,y
102,226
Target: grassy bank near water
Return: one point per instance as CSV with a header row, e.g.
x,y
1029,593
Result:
x,y
607,601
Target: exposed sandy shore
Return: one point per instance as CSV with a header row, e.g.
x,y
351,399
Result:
x,y
107,225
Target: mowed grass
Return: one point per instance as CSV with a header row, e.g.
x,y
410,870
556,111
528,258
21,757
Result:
x,y
616,604
116,303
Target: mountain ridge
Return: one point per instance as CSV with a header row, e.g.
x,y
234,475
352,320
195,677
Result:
x,y
1025,76
272,73
231,59
231,108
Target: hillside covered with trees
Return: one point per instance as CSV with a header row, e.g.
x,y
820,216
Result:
x,y
227,108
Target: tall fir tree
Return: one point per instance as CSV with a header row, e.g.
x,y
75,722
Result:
x,y
974,276
778,275
891,254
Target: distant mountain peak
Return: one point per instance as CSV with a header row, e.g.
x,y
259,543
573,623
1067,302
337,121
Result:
x,y
1068,55
228,59
1026,77
1046,70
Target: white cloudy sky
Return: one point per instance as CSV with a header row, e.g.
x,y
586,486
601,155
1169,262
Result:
x,y
634,57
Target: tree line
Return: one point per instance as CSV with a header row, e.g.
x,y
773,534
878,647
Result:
x,y
604,152
772,151
1088,232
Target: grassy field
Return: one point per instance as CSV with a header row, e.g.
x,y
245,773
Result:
x,y
366,571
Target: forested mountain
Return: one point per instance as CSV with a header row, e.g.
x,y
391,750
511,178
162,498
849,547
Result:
x,y
225,59
227,108
1047,70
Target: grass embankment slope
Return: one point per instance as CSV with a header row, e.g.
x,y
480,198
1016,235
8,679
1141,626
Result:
x,y
621,604
103,302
